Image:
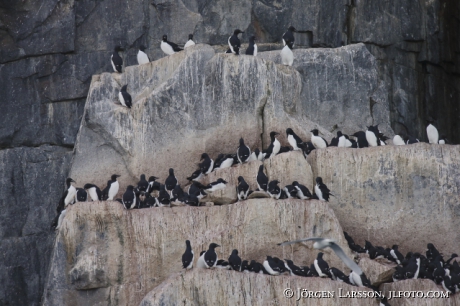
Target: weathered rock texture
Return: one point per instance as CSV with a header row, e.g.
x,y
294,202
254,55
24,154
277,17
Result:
x,y
377,271
233,288
25,237
429,293
405,195
198,101
122,255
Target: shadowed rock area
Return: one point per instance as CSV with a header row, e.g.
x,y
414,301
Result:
x,y
122,255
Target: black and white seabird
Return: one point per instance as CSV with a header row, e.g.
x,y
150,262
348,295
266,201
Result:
x,y
124,97
197,189
242,189
398,141
209,258
271,267
362,139
164,197
168,47
217,185
432,253
235,261
443,140
344,141
318,141
292,268
262,179
187,257
372,135
207,164
321,190
274,147
94,192
432,132
412,269
223,264
227,161
196,176
290,191
252,48
142,57
112,188
234,42
82,195
189,42
288,36
68,197
129,198
179,197
142,185
153,185
321,266
170,181
293,139
410,139
357,276
302,191
117,61
287,57
307,148
338,275
397,256
243,152
274,190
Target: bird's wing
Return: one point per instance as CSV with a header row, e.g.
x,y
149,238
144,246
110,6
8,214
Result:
x,y
346,260
300,240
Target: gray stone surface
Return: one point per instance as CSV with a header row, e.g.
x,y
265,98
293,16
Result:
x,y
404,195
199,287
122,255
31,183
198,101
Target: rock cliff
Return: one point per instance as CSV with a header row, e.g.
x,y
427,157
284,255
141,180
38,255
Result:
x,y
50,49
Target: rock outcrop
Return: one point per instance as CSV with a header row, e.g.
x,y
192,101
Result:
x,y
207,101
405,195
233,288
122,255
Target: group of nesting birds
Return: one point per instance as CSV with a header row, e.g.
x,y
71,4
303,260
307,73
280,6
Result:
x,y
415,265
274,266
142,195
169,48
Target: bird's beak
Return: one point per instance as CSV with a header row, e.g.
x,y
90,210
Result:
x,y
73,181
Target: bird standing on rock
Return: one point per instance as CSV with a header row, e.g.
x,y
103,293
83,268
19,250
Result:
x,y
432,132
243,152
262,179
252,48
124,97
242,189
318,141
169,48
209,258
189,42
274,146
321,190
234,42
293,139
170,181
287,56
129,198
187,257
116,60
142,57
274,190
207,164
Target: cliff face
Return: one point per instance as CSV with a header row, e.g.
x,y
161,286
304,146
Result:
x,y
50,49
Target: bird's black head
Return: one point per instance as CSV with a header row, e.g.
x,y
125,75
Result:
x,y
143,177
395,247
142,48
204,155
114,177
190,36
430,246
290,44
152,178
118,48
320,255
276,182
124,88
213,245
165,37
430,120
257,151
240,179
237,31
221,180
417,255
130,187
273,134
292,29
339,134
295,183
187,242
252,39
241,141
69,180
171,171
235,252
319,180
289,131
315,132
261,168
